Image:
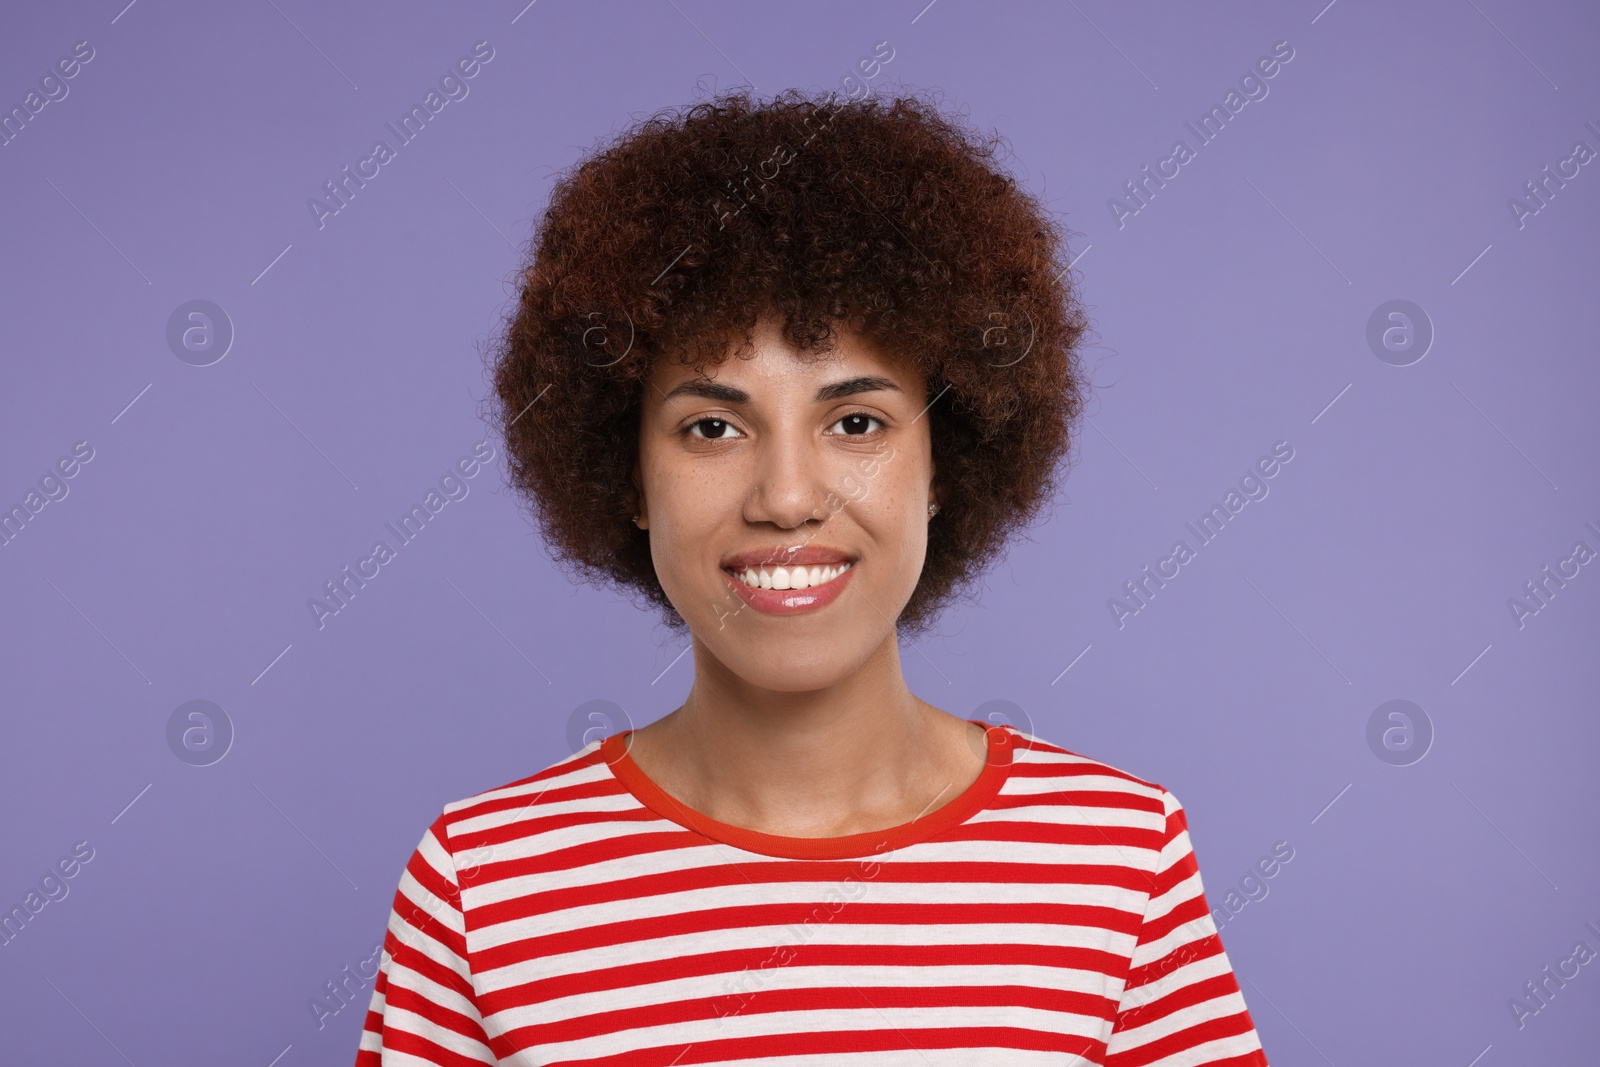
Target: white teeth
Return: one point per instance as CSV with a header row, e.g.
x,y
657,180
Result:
x,y
790,577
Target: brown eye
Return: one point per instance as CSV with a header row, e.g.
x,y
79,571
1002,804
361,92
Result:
x,y
717,425
856,423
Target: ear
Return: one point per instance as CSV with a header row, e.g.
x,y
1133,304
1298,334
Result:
x,y
638,486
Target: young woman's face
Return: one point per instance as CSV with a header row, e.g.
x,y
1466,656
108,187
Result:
x,y
770,460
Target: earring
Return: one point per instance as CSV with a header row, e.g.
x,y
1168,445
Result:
x,y
933,509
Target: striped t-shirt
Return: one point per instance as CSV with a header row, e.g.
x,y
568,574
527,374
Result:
x,y
1051,914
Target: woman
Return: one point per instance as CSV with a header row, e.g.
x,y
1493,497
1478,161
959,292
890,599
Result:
x,y
791,373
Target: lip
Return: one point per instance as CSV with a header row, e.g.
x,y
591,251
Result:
x,y
793,601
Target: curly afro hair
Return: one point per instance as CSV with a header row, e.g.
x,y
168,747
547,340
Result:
x,y
886,218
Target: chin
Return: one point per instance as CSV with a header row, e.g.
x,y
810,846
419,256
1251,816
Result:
x,y
795,662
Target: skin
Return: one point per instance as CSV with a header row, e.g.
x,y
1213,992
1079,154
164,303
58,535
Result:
x,y
799,725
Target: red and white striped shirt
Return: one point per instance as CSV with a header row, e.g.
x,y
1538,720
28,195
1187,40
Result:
x,y
1051,914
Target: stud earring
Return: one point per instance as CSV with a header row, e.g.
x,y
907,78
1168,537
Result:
x,y
933,509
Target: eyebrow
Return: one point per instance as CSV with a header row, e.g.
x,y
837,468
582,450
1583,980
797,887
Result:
x,y
728,394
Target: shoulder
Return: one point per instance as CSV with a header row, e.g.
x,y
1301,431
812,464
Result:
x,y
1051,774
570,784
570,790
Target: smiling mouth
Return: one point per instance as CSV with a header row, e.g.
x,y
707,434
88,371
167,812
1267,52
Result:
x,y
796,577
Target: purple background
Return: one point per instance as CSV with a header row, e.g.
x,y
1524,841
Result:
x,y
1231,313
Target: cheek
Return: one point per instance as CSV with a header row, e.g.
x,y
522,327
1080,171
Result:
x,y
893,512
686,512
915,550
689,579
673,542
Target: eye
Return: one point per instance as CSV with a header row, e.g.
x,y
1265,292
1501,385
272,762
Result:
x,y
718,426
857,420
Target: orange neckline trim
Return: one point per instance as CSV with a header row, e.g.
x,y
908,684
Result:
x,y
997,767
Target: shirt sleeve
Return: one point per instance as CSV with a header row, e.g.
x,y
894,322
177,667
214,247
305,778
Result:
x,y
423,1008
1181,1005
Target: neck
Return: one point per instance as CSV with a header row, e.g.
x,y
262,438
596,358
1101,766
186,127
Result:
x,y
859,755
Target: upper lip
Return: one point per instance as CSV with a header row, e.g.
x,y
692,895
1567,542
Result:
x,y
786,556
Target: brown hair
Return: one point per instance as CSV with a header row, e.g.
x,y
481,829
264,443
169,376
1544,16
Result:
x,y
887,218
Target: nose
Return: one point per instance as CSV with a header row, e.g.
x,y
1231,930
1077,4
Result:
x,y
791,483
